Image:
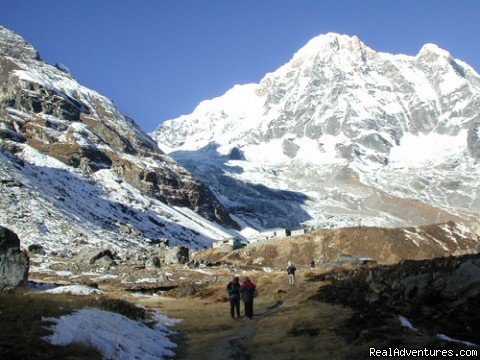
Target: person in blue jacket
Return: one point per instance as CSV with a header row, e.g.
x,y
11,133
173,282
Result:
x,y
233,291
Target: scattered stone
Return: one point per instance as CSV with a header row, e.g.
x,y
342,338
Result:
x,y
193,264
14,264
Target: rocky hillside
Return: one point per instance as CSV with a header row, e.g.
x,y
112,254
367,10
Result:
x,y
333,248
76,169
341,135
432,298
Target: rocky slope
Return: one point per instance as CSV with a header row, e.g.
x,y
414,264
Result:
x,y
75,169
341,135
436,298
334,248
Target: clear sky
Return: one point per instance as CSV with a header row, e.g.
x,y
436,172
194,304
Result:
x,y
157,59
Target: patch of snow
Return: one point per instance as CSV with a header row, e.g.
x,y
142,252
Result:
x,y
447,338
79,290
405,323
147,280
114,335
202,271
421,150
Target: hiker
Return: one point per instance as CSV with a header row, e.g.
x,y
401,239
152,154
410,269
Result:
x,y
312,265
248,292
291,273
233,291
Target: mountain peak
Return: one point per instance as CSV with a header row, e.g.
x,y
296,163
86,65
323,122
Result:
x,y
430,48
15,46
331,43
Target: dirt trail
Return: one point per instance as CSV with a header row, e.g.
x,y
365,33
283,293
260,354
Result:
x,y
282,325
236,346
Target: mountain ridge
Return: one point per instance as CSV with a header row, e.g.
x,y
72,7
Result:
x,y
340,107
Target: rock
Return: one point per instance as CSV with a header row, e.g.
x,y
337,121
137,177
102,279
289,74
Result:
x,y
152,262
95,257
185,292
290,148
473,139
464,282
236,154
419,289
193,264
177,255
14,264
36,249
163,242
162,278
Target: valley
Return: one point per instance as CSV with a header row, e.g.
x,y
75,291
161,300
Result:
x,y
108,235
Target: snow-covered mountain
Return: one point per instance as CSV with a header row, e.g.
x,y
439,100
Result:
x,y
340,135
75,170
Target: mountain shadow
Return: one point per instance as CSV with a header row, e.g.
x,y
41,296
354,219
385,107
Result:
x,y
256,204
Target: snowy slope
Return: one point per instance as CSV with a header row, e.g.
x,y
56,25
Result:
x,y
340,135
76,171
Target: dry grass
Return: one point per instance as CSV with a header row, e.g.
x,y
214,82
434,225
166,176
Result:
x,y
22,328
203,323
305,331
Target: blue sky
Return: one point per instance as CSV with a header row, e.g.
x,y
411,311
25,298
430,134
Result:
x,y
158,59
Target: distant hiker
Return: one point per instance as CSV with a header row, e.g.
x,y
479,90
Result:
x,y
248,292
233,291
312,264
291,273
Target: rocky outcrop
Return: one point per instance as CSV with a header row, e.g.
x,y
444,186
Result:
x,y
15,46
236,154
14,264
473,140
290,148
438,296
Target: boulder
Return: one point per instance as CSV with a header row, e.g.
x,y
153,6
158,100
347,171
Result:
x,y
177,255
152,262
95,257
418,288
36,249
463,282
14,264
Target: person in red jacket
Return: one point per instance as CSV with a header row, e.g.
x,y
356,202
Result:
x,y
248,292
